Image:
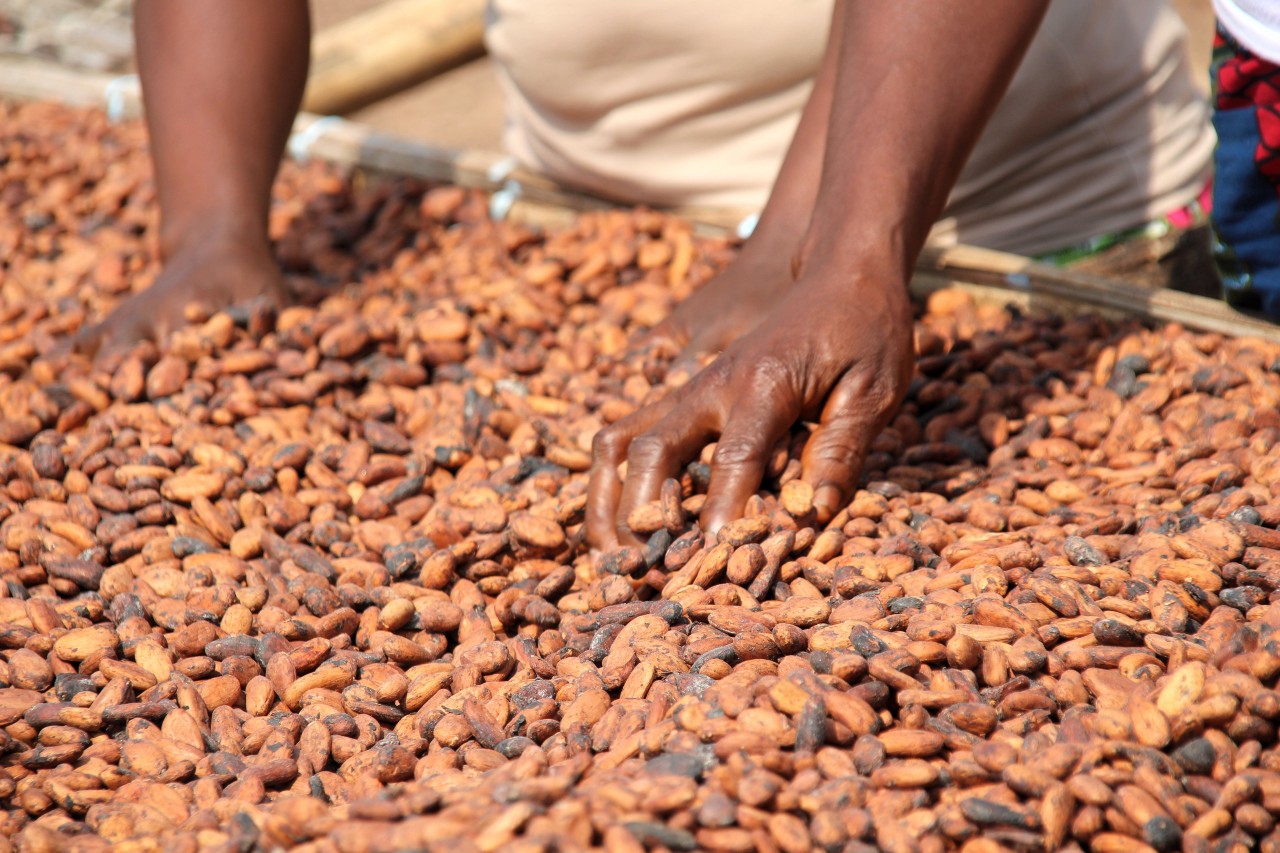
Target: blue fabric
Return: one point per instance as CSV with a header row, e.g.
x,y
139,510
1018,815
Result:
x,y
1246,202
1246,216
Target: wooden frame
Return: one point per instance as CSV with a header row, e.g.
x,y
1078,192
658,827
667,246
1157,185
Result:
x,y
388,49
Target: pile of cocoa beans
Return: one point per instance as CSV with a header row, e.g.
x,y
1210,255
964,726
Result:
x,y
315,578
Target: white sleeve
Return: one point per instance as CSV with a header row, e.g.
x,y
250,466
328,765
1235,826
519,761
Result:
x,y
1253,23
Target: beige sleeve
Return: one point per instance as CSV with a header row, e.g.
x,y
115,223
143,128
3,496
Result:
x,y
1102,129
667,102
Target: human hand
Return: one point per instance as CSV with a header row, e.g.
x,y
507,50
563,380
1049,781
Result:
x,y
836,351
726,307
212,272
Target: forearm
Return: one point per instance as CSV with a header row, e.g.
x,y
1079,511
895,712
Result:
x,y
222,81
786,215
916,82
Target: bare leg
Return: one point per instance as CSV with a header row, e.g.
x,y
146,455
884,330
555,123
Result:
x,y
222,81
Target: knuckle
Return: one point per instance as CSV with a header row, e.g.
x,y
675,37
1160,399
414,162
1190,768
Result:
x,y
769,372
608,444
718,375
647,450
838,452
881,402
735,453
841,439
840,455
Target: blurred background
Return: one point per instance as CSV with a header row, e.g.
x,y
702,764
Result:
x,y
459,107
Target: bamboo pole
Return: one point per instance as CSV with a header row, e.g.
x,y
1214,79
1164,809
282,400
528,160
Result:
x,y
388,49
1044,284
26,79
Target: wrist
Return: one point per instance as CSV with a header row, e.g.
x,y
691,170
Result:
x,y
855,256
219,232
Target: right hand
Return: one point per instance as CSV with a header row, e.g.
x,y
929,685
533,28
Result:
x,y
837,350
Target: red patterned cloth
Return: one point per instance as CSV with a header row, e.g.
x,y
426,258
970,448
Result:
x,y
1245,80
1246,189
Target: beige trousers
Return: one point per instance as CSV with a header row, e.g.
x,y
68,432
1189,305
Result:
x,y
693,103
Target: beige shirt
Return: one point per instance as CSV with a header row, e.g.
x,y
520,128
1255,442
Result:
x,y
693,103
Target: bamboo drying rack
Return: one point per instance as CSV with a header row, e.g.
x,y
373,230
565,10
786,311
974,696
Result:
x,y
389,48
990,276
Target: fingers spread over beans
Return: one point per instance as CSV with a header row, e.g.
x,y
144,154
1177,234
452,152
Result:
x,y
834,352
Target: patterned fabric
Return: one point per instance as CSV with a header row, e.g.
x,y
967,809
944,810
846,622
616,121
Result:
x,y
1246,197
1244,82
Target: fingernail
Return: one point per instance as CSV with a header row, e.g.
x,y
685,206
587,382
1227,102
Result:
x,y
826,499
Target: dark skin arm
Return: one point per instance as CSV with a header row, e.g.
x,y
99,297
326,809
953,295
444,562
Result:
x,y
915,82
222,81
758,278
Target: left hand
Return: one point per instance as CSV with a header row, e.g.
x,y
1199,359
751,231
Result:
x,y
835,350
729,305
